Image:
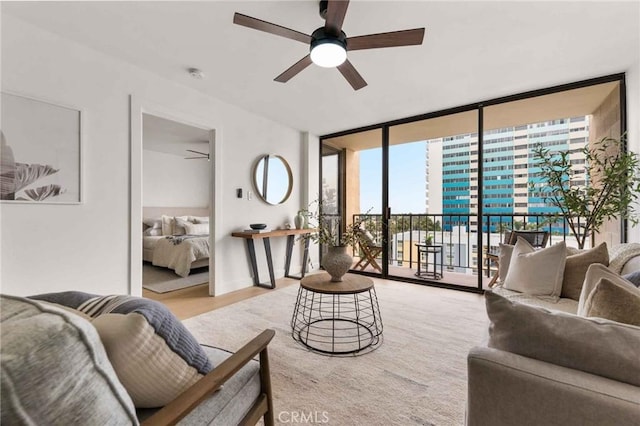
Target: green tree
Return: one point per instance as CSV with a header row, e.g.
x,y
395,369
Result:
x,y
610,190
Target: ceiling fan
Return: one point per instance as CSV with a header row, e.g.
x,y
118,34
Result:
x,y
199,155
329,44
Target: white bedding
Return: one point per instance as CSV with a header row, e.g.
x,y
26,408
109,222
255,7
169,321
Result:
x,y
180,256
150,242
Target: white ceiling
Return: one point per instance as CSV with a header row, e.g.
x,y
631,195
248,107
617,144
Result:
x,y
473,51
171,137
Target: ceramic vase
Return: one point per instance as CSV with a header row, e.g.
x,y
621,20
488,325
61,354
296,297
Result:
x,y
337,262
299,220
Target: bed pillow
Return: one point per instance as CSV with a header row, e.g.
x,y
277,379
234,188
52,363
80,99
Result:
x,y
179,224
54,368
150,222
167,225
597,346
536,272
199,219
576,268
152,232
613,301
197,228
153,354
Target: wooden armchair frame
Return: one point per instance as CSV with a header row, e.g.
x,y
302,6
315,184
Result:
x,y
370,252
177,409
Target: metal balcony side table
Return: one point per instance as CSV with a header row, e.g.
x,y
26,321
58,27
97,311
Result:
x,y
430,253
337,318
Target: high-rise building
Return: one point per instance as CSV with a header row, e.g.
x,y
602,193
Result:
x,y
508,169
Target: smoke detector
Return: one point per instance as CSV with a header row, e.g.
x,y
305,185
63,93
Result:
x,y
196,73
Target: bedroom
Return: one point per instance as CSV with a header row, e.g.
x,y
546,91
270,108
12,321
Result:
x,y
175,204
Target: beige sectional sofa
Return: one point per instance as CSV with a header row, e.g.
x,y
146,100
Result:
x,y
544,365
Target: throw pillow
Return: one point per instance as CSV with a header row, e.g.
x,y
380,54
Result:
x,y
154,355
633,278
594,274
596,346
55,370
536,272
614,302
576,267
504,260
196,228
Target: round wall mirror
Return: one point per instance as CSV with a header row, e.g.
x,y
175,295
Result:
x,y
273,179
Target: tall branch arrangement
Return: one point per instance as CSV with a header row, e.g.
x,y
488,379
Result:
x,y
328,227
609,191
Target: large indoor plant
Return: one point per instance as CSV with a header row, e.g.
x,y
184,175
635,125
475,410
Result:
x,y
610,189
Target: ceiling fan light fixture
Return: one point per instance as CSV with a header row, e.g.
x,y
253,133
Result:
x,y
328,51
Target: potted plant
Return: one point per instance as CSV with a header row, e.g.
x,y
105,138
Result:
x,y
329,232
609,191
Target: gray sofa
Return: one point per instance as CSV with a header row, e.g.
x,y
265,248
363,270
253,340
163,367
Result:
x,y
60,366
510,389
544,365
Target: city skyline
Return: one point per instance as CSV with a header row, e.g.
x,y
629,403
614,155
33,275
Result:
x,y
507,170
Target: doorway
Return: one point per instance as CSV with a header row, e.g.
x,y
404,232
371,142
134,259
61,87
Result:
x,y
174,178
175,205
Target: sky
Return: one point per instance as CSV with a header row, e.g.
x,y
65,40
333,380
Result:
x,y
407,178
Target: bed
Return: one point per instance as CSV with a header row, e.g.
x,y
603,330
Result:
x,y
176,238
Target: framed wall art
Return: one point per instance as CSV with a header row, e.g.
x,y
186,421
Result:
x,y
41,152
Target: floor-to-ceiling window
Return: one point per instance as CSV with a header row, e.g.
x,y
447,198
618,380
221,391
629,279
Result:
x,y
360,173
440,190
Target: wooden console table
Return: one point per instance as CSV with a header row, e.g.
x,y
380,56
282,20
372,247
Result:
x,y
250,237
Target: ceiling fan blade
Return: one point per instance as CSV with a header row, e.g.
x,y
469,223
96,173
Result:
x,y
336,10
197,152
391,39
294,69
268,27
352,75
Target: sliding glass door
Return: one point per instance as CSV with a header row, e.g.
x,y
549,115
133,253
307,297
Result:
x,y
433,175
438,193
360,171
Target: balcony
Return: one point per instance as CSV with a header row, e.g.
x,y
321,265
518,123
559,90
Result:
x,y
457,234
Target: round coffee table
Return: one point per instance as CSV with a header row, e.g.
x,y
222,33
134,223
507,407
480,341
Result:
x,y
337,318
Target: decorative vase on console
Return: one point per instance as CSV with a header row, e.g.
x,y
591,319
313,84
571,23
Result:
x,y
337,262
301,220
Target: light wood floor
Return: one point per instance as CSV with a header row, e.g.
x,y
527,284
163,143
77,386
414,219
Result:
x,y
192,301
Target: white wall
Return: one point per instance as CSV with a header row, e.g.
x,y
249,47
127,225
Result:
x,y
53,248
171,181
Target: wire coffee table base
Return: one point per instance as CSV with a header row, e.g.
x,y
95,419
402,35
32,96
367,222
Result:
x,y
337,318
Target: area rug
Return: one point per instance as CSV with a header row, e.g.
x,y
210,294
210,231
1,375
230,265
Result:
x,y
163,280
418,376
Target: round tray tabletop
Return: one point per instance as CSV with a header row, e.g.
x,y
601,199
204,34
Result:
x,y
350,284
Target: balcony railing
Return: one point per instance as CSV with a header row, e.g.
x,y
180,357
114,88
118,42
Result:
x,y
457,233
